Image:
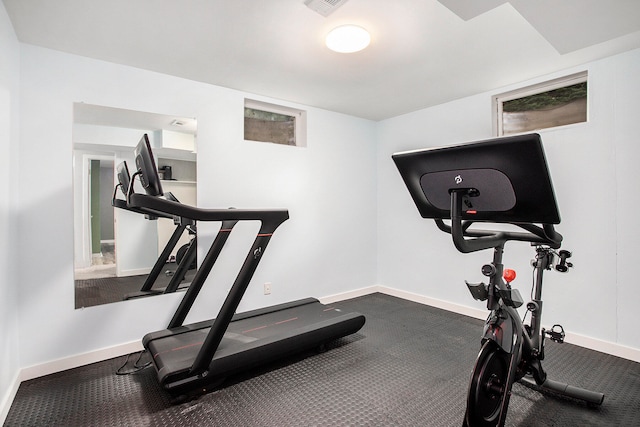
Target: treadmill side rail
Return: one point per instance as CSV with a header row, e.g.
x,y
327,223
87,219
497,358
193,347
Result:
x,y
230,305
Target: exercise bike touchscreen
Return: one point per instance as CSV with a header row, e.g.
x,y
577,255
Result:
x,y
507,180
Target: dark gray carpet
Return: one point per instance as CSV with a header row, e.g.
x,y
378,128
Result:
x,y
408,366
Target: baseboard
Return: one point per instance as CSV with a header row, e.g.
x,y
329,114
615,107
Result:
x,y
59,365
421,299
607,347
71,362
349,295
7,399
613,349
134,272
434,302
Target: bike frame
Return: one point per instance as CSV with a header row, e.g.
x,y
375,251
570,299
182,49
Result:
x,y
505,327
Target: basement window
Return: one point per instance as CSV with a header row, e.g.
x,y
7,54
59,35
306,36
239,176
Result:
x,y
273,123
554,103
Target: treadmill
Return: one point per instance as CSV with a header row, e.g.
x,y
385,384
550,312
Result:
x,y
202,355
147,289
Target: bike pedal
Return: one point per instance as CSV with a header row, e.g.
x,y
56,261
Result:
x,y
556,333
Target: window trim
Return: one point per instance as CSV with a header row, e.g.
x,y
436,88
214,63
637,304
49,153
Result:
x,y
499,99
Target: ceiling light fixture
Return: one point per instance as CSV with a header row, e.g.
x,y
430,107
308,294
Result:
x,y
348,39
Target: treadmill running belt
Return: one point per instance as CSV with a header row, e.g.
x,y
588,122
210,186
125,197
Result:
x,y
249,340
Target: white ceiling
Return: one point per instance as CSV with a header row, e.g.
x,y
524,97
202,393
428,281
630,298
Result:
x,y
423,52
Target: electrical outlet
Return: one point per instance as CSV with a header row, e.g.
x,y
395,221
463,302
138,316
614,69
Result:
x,y
267,288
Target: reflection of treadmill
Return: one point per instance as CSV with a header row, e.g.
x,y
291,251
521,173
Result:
x,y
205,353
124,182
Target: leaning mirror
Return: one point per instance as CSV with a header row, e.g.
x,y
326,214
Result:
x,y
120,254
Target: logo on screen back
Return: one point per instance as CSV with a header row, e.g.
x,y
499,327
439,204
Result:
x,y
458,179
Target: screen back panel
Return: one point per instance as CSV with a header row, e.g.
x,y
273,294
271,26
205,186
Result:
x,y
146,165
507,180
124,178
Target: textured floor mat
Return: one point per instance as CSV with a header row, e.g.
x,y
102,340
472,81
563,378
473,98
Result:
x,y
408,366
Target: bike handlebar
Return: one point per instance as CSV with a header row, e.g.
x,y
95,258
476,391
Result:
x,y
475,240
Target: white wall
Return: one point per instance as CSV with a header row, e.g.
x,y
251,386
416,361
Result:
x,y
594,168
9,275
329,188
624,128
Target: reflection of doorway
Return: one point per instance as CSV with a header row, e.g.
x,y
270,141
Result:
x,y
102,241
100,227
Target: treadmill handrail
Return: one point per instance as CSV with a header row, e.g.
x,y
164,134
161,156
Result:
x,y
166,252
205,268
203,359
122,204
271,218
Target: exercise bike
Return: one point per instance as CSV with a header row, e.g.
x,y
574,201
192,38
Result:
x,y
504,180
511,350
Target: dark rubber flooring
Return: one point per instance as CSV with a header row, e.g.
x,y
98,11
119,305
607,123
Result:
x,y
408,366
106,290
